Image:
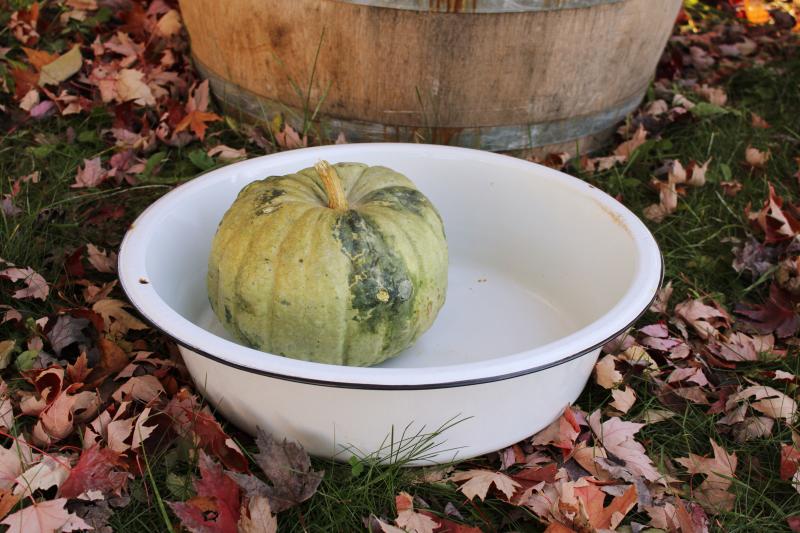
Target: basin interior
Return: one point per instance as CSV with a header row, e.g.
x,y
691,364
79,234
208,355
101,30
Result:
x,y
533,258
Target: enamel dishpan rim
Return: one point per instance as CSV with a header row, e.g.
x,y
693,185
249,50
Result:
x,y
143,296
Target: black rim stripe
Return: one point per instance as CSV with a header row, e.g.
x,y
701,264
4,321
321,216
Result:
x,y
424,386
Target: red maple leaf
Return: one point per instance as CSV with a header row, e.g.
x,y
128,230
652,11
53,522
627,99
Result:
x,y
217,504
777,314
777,223
94,471
190,420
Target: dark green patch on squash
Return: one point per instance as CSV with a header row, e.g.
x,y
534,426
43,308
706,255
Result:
x,y
399,198
381,288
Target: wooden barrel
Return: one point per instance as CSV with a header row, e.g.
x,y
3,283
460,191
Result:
x,y
490,74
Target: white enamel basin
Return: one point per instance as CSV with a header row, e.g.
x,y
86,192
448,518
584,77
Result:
x,y
544,269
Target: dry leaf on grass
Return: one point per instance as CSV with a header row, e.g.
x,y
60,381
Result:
x,y
257,517
769,401
410,520
35,284
44,517
623,399
616,436
478,483
606,374
288,468
755,157
102,260
713,492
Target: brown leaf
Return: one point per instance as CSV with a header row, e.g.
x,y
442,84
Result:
x,y
628,147
561,433
226,153
144,388
199,425
706,320
35,284
196,121
95,470
605,373
289,139
44,517
116,319
410,520
714,95
623,399
776,223
91,175
713,493
616,436
757,122
777,314
39,58
8,501
771,402
130,86
169,24
101,260
755,157
288,468
257,517
479,481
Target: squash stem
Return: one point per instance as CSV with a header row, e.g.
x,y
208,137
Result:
x,y
333,186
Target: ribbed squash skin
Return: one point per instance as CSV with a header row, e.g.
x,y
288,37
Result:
x,y
290,276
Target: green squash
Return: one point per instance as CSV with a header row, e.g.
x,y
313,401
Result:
x,y
344,265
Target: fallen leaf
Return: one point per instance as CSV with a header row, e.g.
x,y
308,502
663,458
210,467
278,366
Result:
x,y
198,425
226,153
101,260
706,320
769,401
713,493
130,86
660,304
217,504
196,121
776,223
289,139
731,188
169,24
616,436
62,68
790,461
288,468
628,147
257,517
561,433
714,95
44,517
35,284
51,471
753,427
66,331
91,175
479,481
757,122
623,399
410,520
96,469
776,315
116,319
143,388
755,157
605,373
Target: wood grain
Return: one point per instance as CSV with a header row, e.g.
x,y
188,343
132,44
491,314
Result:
x,y
430,69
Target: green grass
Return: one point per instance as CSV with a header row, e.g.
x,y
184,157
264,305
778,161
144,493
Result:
x,y
696,243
